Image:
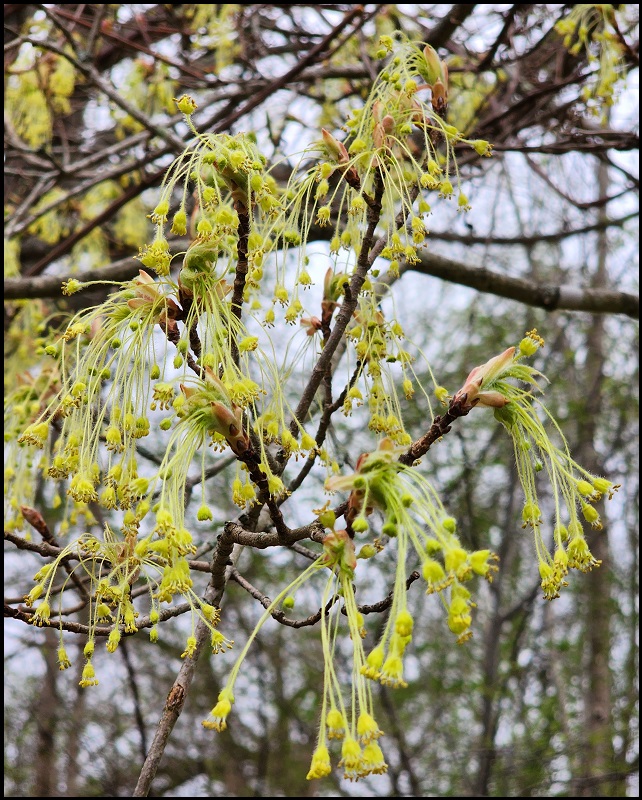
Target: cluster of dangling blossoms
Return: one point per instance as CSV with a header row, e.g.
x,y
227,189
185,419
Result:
x,y
415,520
591,29
184,353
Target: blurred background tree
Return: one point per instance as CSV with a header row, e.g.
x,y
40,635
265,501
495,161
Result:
x,y
543,700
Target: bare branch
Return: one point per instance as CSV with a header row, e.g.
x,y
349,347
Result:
x,y
550,298
528,241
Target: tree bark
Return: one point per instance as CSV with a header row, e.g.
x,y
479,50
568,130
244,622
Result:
x,y
598,745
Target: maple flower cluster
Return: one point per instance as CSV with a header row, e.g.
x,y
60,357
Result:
x,y
169,353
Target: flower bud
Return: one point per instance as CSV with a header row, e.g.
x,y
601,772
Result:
x,y
334,147
433,66
367,551
186,104
360,525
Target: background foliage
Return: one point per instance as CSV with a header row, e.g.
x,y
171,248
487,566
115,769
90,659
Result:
x,y
543,700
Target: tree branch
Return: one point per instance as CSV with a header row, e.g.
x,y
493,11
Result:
x,y
548,297
537,238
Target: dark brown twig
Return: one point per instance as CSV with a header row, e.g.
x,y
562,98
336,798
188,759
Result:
x,y
440,427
